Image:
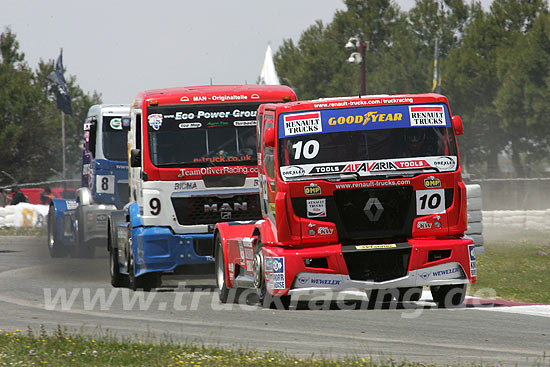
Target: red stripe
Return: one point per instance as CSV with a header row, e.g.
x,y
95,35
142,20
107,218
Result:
x,y
302,116
427,108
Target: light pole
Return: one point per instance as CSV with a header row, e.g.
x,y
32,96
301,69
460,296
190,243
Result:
x,y
355,43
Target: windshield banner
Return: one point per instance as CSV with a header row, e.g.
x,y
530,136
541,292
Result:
x,y
371,168
363,118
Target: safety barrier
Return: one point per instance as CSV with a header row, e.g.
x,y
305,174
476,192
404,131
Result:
x,y
476,218
23,215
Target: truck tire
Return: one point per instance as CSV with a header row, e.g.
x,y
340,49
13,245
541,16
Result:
x,y
83,249
449,296
117,279
144,282
266,300
55,246
221,281
412,294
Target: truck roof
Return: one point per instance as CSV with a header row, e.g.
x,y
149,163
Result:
x,y
215,94
360,101
109,109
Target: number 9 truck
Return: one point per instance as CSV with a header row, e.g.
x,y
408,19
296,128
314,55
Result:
x,y
358,196
192,155
77,227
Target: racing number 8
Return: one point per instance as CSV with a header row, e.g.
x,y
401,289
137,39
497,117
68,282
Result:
x,y
310,149
154,203
105,184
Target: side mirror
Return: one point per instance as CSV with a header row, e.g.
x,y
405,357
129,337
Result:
x,y
126,123
457,125
269,137
135,158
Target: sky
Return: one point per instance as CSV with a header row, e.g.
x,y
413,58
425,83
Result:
x,y
120,47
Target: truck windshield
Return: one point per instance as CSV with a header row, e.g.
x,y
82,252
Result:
x,y
114,139
366,141
202,135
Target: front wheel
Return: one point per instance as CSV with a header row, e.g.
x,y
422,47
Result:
x,y
266,299
145,282
55,246
221,282
83,249
449,296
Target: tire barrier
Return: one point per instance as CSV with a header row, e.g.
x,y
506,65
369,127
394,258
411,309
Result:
x,y
475,216
23,215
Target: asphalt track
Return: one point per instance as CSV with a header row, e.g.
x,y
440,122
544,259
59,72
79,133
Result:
x,y
37,290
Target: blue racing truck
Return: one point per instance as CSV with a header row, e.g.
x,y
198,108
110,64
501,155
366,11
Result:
x,y
77,227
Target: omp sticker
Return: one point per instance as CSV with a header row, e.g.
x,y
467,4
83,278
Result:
x,y
316,208
155,120
430,202
312,189
473,267
303,123
71,204
427,115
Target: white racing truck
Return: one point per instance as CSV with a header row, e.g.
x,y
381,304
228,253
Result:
x,y
193,164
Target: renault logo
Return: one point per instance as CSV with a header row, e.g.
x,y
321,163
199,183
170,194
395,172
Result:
x,y
373,216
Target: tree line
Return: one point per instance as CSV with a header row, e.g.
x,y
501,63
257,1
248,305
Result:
x,y
494,67
30,122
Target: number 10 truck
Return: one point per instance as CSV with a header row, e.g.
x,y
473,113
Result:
x,y
358,195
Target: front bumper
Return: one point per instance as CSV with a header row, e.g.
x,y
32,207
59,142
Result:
x,y
287,270
160,250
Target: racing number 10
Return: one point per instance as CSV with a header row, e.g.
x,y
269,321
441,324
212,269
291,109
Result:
x,y
310,149
430,202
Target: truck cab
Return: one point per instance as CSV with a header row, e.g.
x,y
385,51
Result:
x,y
77,227
358,196
192,154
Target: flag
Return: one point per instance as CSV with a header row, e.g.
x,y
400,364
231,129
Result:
x,y
436,85
62,95
269,74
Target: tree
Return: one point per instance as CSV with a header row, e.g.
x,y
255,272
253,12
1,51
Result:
x,y
29,120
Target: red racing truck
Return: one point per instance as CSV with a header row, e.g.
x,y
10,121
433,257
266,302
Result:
x,y
358,195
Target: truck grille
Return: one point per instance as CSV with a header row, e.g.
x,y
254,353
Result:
x,y
375,213
211,210
377,266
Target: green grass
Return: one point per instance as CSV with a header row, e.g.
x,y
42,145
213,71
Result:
x,y
23,231
517,270
61,349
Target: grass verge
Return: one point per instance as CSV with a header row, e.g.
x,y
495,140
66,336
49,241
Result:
x,y
516,269
23,231
61,349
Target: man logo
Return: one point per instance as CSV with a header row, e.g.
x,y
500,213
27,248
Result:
x,y
373,216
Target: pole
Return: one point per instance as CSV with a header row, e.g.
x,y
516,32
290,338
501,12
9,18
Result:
x,y
63,175
362,49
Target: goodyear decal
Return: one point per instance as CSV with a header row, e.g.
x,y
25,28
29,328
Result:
x,y
363,118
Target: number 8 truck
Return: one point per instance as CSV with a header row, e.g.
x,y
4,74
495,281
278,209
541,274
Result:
x,y
358,195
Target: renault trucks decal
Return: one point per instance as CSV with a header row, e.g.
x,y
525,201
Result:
x,y
370,168
362,118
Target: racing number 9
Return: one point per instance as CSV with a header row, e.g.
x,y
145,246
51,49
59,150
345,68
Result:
x,y
310,149
154,203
